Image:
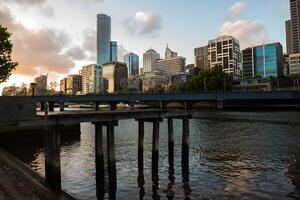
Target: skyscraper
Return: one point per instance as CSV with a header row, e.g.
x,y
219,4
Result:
x,y
132,62
288,36
103,39
169,53
113,51
225,51
149,59
92,79
295,25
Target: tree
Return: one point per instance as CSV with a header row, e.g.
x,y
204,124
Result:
x,y
6,63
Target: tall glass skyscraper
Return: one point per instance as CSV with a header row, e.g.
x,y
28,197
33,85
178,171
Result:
x,y
103,39
132,62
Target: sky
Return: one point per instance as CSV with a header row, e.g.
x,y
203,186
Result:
x,y
58,37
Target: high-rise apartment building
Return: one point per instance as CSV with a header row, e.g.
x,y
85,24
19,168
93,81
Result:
x,y
201,57
113,51
103,39
264,60
225,51
132,62
293,27
149,58
294,63
288,36
71,85
116,76
92,79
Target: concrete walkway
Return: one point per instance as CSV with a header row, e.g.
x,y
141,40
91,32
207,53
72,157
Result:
x,y
18,181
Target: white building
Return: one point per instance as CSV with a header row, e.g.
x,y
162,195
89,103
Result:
x,y
92,79
149,59
294,63
225,51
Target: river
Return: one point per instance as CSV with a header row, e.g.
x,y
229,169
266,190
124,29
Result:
x,y
233,155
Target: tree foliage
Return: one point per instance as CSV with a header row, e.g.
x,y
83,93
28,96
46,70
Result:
x,y
6,63
207,80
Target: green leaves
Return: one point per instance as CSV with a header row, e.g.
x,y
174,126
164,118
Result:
x,y
6,63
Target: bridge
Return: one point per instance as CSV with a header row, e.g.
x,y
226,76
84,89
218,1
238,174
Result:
x,y
220,98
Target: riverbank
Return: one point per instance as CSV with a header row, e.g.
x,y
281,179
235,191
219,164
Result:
x,y
19,181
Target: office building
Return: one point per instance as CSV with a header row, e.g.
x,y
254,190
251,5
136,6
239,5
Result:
x,y
92,79
132,62
116,75
71,85
103,39
181,77
151,80
265,60
288,36
225,51
295,18
41,85
113,51
135,83
201,58
14,91
169,53
294,63
149,59
169,67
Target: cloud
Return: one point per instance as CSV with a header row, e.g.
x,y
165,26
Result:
x,y
143,24
90,43
247,32
47,11
121,52
76,53
27,2
235,10
38,51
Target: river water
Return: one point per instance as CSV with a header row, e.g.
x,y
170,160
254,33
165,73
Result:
x,y
233,155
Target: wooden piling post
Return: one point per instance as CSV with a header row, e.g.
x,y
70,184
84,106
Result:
x,y
111,159
171,149
61,106
141,147
155,148
51,106
185,148
52,156
99,159
97,106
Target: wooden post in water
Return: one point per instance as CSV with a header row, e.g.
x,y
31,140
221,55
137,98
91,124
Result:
x,y
171,149
185,149
99,159
52,156
155,146
111,159
96,105
51,106
141,147
61,106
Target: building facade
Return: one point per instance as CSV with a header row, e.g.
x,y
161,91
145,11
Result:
x,y
116,75
63,85
265,60
169,53
169,67
149,58
225,51
295,25
151,80
132,62
113,51
294,63
103,39
71,85
41,85
92,79
288,36
201,58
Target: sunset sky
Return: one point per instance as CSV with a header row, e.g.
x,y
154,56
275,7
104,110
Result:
x,y
59,36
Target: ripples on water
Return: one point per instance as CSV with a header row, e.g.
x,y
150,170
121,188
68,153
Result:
x,y
232,156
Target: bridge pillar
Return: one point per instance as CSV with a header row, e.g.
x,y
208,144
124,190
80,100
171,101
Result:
x,y
220,104
155,148
185,148
99,160
42,106
61,106
52,156
171,149
97,106
113,106
132,105
51,106
188,105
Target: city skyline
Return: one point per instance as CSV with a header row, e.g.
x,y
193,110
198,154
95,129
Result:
x,y
145,25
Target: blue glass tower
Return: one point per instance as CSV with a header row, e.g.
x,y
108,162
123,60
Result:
x,y
113,51
103,38
268,60
132,62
